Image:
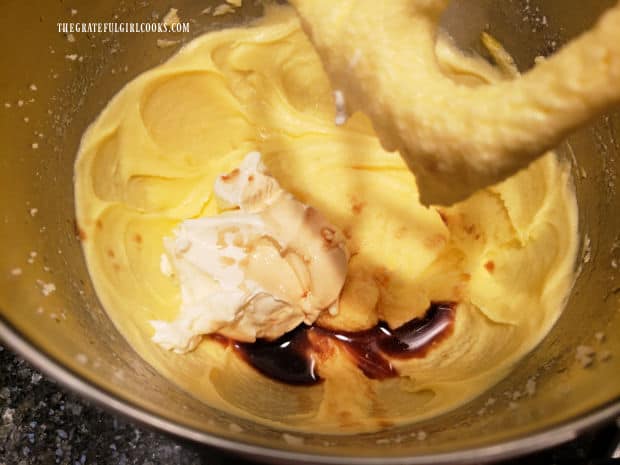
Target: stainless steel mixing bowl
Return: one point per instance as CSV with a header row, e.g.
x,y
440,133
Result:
x,y
68,335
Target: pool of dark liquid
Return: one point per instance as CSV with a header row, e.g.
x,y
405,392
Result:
x,y
292,358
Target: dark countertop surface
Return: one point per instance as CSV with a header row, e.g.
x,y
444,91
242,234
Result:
x,y
42,423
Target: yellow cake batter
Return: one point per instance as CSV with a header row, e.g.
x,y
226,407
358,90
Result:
x,y
150,161
490,132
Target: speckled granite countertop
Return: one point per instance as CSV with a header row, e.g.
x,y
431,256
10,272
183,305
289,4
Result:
x,y
42,423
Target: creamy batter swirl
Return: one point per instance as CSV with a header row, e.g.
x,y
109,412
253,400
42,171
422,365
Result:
x,y
150,160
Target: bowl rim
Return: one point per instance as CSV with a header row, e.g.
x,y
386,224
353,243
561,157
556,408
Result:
x,y
533,442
